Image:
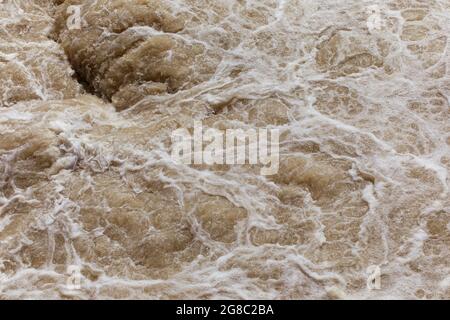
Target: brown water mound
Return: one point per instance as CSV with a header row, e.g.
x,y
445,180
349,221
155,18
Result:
x,y
123,48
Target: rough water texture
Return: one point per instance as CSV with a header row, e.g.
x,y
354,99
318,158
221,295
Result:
x,y
87,178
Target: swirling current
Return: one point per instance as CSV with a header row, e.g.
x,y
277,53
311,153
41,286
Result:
x,y
359,91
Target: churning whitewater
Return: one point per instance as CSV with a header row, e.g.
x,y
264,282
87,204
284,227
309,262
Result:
x,y
93,205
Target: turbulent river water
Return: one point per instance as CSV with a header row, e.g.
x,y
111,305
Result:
x,y
360,91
